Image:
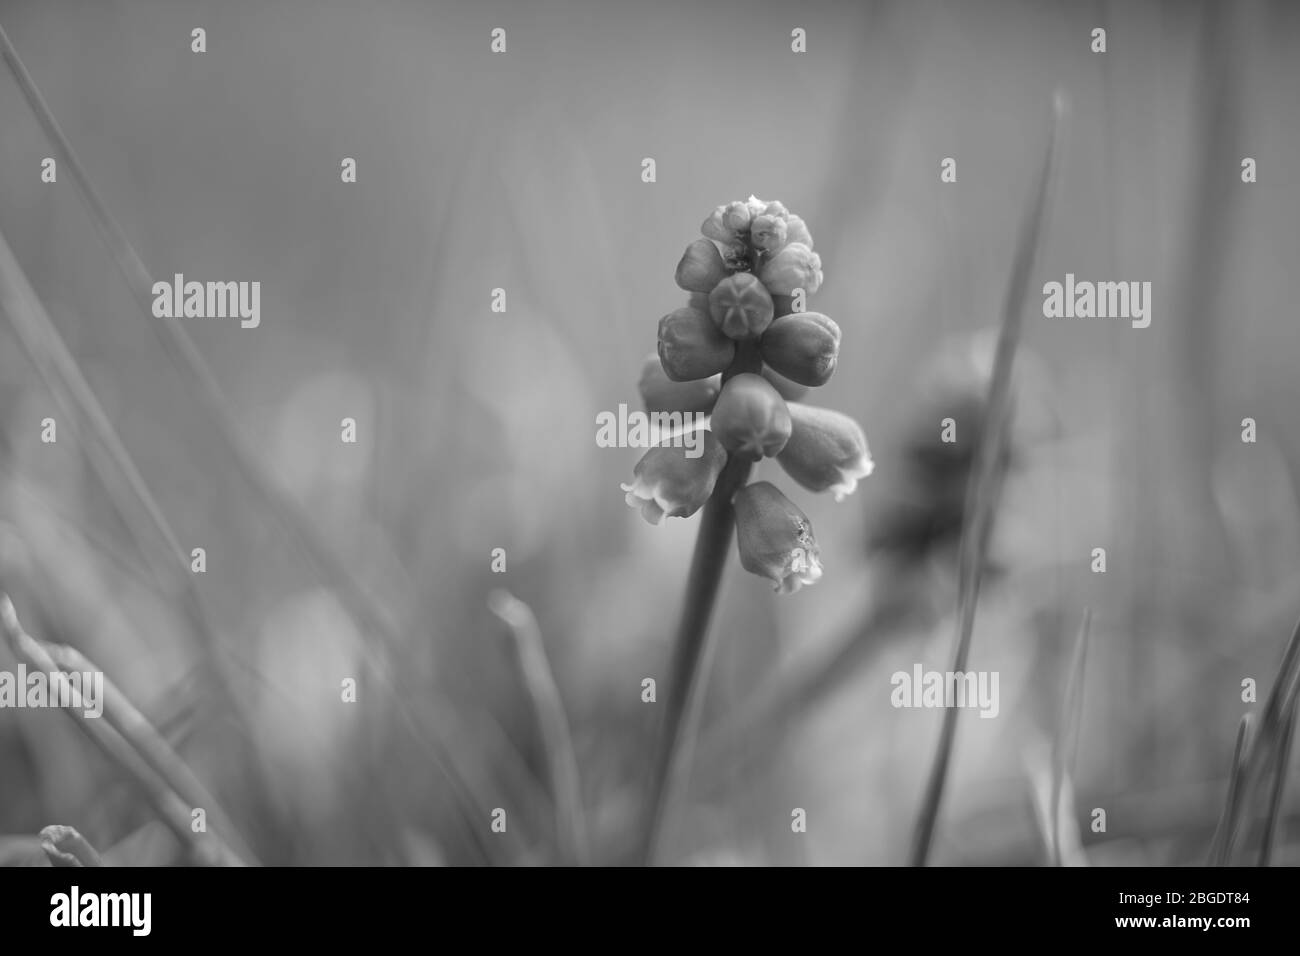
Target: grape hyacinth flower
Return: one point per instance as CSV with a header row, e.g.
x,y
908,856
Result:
x,y
739,350
669,482
766,521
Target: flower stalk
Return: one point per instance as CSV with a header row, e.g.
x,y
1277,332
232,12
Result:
x,y
690,661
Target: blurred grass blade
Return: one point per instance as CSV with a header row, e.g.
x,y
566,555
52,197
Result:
x,y
105,451
149,743
989,471
76,400
73,527
1066,743
1261,754
180,347
1058,828
206,848
1283,696
64,846
369,615
1225,835
1282,766
552,724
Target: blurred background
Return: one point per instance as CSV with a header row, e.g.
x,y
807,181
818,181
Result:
x,y
476,430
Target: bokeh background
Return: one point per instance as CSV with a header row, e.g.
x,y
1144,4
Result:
x,y
522,171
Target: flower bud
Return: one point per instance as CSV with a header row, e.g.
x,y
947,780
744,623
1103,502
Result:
x,y
750,417
768,233
701,267
662,394
758,207
741,306
691,346
667,482
727,223
827,451
796,230
775,538
795,266
699,301
802,346
790,391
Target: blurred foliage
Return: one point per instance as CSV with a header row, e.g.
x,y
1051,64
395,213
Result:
x,y
522,171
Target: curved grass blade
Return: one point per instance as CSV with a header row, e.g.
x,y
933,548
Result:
x,y
206,848
552,724
1225,835
1282,766
1067,733
369,615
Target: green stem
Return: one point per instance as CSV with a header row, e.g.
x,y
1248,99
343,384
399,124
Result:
x,y
690,655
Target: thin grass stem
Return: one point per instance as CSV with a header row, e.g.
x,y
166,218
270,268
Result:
x,y
553,725
1272,817
1225,835
1067,732
988,474
369,615
206,848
